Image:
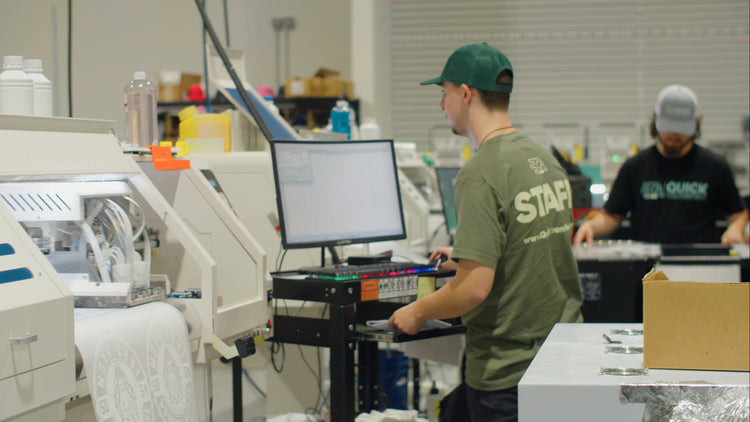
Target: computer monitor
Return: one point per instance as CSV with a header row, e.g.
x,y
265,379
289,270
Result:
x,y
332,193
446,177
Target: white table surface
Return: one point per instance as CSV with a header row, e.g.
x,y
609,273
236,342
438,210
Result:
x,y
563,383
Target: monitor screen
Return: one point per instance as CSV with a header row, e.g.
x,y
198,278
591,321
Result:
x,y
335,193
446,177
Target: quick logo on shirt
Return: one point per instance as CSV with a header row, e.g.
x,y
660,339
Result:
x,y
543,199
675,190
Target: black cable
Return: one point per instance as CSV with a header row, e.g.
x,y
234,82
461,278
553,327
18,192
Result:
x,y
277,347
226,22
304,302
321,400
278,254
70,55
312,371
254,384
281,262
205,65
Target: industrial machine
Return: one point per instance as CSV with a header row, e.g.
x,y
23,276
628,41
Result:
x,y
68,186
245,181
243,280
37,359
410,162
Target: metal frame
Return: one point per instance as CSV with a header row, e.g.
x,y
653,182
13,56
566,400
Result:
x,y
344,334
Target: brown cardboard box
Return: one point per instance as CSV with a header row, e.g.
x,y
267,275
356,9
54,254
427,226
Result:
x,y
325,83
297,87
695,325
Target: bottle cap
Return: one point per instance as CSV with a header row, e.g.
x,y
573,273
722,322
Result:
x,y
32,65
140,75
13,62
341,103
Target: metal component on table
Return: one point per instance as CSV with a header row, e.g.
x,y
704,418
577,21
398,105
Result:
x,y
625,332
623,371
625,350
610,341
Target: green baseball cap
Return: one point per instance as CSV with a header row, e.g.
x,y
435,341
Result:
x,y
477,66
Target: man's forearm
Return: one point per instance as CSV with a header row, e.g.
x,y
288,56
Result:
x,y
605,223
464,292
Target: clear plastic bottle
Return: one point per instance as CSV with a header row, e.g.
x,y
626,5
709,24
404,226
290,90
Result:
x,y
341,118
16,88
140,112
42,87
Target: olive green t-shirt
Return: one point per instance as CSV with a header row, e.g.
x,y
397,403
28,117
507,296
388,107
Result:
x,y
514,208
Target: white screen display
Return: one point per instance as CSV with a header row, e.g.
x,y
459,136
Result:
x,y
337,192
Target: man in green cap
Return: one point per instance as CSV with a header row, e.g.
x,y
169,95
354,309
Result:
x,y
515,272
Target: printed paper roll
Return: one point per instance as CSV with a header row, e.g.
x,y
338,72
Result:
x,y
137,362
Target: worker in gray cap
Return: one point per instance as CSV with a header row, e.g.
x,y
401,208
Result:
x,y
676,190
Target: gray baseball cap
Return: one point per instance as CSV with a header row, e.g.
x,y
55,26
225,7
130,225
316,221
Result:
x,y
676,110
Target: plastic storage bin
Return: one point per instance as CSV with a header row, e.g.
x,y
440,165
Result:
x,y
199,132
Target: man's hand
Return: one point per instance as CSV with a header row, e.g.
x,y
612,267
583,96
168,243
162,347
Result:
x,y
446,252
406,320
733,235
584,233
597,224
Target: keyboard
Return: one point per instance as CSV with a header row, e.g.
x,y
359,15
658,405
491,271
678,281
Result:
x,y
381,269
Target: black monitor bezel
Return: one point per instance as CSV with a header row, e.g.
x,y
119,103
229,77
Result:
x,y
322,244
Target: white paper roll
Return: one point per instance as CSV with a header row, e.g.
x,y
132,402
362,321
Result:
x,y
137,362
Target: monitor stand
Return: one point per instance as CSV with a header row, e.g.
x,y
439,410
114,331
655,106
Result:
x,y
334,255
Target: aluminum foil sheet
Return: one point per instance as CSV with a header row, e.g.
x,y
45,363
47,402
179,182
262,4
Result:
x,y
690,401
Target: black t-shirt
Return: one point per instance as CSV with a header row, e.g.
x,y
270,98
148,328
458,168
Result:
x,y
675,200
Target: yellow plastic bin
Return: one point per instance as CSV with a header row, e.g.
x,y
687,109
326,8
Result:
x,y
198,132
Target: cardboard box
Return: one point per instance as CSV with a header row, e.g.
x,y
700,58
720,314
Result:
x,y
297,87
325,83
695,325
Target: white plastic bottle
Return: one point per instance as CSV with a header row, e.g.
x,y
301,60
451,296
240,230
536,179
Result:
x,y
370,129
433,400
271,105
42,87
16,88
140,112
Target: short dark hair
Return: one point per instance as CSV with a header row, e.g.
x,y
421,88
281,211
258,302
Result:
x,y
655,133
498,100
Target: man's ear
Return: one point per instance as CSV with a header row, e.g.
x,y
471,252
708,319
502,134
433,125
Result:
x,y
467,93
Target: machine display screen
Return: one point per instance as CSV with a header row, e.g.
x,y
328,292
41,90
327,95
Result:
x,y
446,177
335,193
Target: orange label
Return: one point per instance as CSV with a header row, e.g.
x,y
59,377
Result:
x,y
370,290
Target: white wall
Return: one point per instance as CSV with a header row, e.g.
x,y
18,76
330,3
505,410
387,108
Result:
x,y
112,39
